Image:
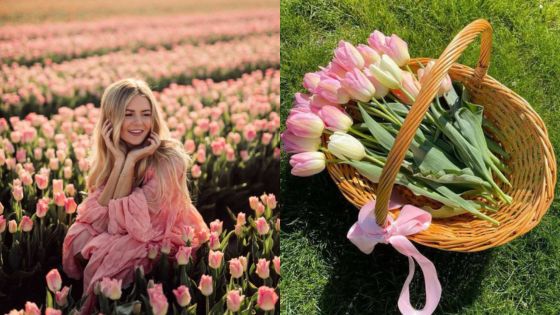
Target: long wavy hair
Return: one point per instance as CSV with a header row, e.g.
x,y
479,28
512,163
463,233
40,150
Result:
x,y
169,158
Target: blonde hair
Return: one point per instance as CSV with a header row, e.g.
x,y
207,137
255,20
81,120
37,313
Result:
x,y
168,159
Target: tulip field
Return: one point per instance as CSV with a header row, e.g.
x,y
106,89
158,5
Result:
x,y
216,77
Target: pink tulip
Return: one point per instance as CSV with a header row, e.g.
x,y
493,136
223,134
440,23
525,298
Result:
x,y
70,190
54,281
1,208
41,208
332,91
276,263
445,85
335,119
190,146
53,164
37,153
70,205
2,224
397,49
369,54
158,301
216,226
260,210
42,181
12,226
410,85
61,297
295,144
153,250
348,56
196,171
267,298
266,138
254,202
15,136
271,201
215,259
235,268
26,224
214,241
277,225
333,70
57,185
17,192
60,199
183,255
234,300
307,163
263,270
358,86
205,285
32,309
111,288
52,311
311,81
306,125
241,218
182,295
21,155
244,263
262,226
166,246
187,233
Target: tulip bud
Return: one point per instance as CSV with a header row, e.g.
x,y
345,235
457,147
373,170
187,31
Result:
x,y
335,119
61,297
234,300
267,298
54,281
358,86
216,226
348,56
262,226
307,163
235,268
182,295
215,259
111,288
158,301
183,255
26,224
205,285
263,270
276,263
387,72
2,224
369,54
12,226
305,125
295,144
17,192
332,91
70,205
345,147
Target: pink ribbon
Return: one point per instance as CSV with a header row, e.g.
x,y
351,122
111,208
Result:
x,y
365,234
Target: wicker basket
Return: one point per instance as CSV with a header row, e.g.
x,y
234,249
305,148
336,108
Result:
x,y
524,137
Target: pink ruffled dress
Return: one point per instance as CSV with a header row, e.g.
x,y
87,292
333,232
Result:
x,y
115,238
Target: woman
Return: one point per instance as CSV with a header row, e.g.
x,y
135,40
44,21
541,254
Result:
x,y
138,197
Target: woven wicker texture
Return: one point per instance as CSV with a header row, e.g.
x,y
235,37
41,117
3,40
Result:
x,y
523,136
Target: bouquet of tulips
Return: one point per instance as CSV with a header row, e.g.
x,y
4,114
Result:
x,y
359,102
233,272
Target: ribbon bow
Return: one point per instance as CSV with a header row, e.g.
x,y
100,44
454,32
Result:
x,y
366,233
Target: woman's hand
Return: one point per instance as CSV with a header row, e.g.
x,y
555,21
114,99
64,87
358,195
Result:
x,y
106,132
138,154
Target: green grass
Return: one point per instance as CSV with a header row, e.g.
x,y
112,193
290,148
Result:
x,y
323,273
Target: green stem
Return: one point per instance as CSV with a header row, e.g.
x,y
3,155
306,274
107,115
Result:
x,y
207,306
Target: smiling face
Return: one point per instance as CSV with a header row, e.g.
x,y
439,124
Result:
x,y
137,122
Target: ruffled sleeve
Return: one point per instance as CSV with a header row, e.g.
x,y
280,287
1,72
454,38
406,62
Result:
x,y
91,220
131,214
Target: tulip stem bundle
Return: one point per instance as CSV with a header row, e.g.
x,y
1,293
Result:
x,y
360,102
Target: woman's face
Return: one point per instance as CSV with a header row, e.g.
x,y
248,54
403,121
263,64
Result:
x,y
137,122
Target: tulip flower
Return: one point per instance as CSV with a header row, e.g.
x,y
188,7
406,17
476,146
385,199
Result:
x,y
445,85
2,224
216,226
42,181
32,309
392,46
182,295
26,224
311,81
214,241
60,199
205,285
241,218
262,226
410,88
183,255
235,268
267,298
12,226
295,144
234,300
70,205
263,270
158,301
52,311
380,89
111,288
307,163
61,297
335,119
348,56
215,259
358,86
276,263
305,125
17,192
54,281
369,54
332,91
345,147
166,246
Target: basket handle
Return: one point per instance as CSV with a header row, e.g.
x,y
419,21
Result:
x,y
430,86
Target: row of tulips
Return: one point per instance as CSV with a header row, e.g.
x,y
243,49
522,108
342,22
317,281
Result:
x,y
43,88
175,30
233,272
120,24
230,128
